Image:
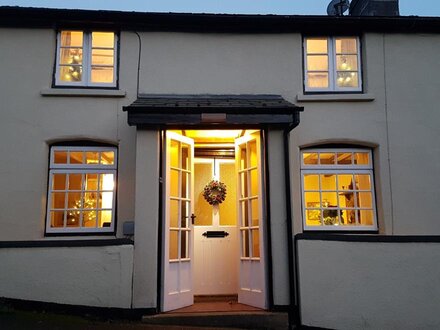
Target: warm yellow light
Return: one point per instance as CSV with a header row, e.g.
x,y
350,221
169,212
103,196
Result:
x,y
67,76
340,79
76,58
75,74
348,79
344,66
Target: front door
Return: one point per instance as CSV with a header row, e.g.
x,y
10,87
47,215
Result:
x,y
252,279
248,226
178,252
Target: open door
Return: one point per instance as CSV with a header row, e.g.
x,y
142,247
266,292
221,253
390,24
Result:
x,y
252,271
178,254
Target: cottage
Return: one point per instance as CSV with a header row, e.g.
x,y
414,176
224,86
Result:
x,y
291,161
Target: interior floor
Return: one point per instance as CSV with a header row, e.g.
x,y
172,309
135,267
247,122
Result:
x,y
209,304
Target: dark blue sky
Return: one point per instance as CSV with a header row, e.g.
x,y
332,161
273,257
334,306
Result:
x,y
300,7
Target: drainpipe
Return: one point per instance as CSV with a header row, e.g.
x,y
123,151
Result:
x,y
293,308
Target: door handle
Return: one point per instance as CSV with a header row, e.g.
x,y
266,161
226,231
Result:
x,y
193,217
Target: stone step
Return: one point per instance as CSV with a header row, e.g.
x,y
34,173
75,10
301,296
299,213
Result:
x,y
240,320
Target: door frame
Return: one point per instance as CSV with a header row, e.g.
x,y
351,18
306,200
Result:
x,y
266,209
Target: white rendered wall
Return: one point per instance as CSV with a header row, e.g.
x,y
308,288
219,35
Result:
x,y
90,276
352,285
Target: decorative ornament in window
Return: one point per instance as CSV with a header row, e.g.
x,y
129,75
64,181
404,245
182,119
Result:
x,y
215,192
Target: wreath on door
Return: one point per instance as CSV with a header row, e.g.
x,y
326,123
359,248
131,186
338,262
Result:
x,y
215,192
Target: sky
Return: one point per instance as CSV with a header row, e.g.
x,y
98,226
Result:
x,y
283,7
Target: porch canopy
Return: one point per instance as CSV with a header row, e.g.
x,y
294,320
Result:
x,y
212,111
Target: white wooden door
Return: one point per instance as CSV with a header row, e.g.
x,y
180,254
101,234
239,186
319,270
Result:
x,y
251,223
177,248
215,231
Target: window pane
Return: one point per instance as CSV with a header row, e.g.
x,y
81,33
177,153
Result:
x,y
255,243
174,244
365,200
90,200
316,46
71,73
73,219
245,243
184,215
317,80
174,183
106,182
317,63
92,157
346,62
76,157
202,175
344,158
348,217
91,182
361,158
327,158
244,184
254,182
74,200
185,157
60,157
104,218
255,212
363,181
329,199
310,158
312,199
184,244
71,56
102,74
228,209
174,153
366,217
58,200
75,181
347,79
59,181
244,214
328,181
174,213
103,39
107,157
345,181
313,217
346,199
71,39
106,200
311,182
102,57
89,219
346,46
252,145
243,158
57,219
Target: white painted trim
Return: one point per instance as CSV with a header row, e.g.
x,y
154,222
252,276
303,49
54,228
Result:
x,y
83,92
335,98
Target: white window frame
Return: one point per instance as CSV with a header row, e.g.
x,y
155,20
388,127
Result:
x,y
332,71
83,169
338,169
86,63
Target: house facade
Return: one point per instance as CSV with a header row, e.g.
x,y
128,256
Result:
x,y
324,131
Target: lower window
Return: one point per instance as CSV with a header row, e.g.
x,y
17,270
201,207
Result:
x,y
338,189
82,190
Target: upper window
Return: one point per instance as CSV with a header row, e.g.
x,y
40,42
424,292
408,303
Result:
x,y
86,59
338,189
82,190
332,64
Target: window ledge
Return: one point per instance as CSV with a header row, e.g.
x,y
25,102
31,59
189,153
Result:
x,y
83,92
335,98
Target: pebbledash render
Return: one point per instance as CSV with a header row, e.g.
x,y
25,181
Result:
x,y
324,131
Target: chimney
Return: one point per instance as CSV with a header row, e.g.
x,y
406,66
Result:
x,y
374,8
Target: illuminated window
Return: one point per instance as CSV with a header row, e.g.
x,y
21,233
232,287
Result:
x,y
86,59
82,190
338,189
332,64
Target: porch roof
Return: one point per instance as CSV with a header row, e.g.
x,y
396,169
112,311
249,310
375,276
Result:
x,y
157,110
